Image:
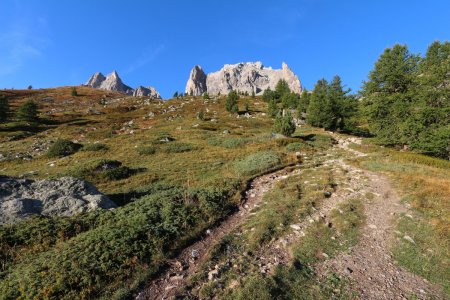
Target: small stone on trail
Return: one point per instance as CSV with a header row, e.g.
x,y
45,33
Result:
x,y
409,239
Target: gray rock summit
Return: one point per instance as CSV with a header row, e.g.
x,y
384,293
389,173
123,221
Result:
x,y
196,84
146,91
66,196
244,77
112,82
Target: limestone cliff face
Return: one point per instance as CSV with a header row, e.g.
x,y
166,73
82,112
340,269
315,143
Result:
x,y
244,77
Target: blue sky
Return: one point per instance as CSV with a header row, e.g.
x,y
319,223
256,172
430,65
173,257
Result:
x,y
51,43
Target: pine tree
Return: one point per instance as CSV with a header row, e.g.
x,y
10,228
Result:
x,y
303,102
4,108
318,109
387,95
205,96
281,89
175,95
284,124
272,109
231,104
74,92
27,112
268,95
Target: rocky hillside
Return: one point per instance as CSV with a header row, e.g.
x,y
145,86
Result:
x,y
245,77
112,82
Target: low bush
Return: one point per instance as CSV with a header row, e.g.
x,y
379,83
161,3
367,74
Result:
x,y
179,147
95,147
257,162
146,150
298,146
230,143
63,148
101,170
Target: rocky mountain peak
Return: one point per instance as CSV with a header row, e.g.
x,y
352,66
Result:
x,y
244,77
196,84
113,82
149,91
96,80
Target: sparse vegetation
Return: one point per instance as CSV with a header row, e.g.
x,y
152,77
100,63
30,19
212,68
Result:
x,y
95,147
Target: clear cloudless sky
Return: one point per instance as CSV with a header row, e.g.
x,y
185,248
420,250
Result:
x,y
48,43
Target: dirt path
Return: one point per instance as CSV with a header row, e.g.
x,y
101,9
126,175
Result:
x,y
373,272
369,264
192,257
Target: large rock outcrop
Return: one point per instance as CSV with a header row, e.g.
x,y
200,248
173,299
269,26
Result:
x,y
67,196
244,77
147,92
196,84
112,82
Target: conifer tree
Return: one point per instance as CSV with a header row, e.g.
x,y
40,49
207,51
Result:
x,y
4,108
231,103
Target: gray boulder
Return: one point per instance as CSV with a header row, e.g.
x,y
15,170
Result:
x,y
146,91
66,196
244,77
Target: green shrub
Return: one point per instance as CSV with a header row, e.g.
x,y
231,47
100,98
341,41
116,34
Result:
x,y
257,162
95,147
101,170
230,143
179,147
298,146
63,148
146,150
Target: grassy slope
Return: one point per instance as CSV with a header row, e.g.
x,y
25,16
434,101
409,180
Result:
x,y
183,186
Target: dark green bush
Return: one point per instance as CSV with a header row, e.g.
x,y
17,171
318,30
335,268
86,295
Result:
x,y
63,148
101,170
